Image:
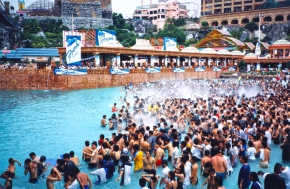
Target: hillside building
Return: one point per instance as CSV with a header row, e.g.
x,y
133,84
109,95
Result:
x,y
159,12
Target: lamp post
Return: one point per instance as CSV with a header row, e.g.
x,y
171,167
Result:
x,y
260,15
258,46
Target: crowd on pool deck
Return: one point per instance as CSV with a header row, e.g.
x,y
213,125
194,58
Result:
x,y
224,123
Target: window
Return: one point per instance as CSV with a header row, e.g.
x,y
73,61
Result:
x,y
158,16
162,16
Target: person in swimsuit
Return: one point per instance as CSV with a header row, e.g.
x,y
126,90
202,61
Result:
x,y
8,176
11,167
179,172
172,184
55,175
210,180
32,169
153,180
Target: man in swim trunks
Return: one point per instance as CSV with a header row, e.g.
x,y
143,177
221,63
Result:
x,y
159,154
264,156
11,167
94,156
148,162
219,164
88,150
84,179
54,176
32,169
103,121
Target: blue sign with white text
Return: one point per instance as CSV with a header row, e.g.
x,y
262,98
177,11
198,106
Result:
x,y
73,50
178,70
106,38
153,70
169,43
117,71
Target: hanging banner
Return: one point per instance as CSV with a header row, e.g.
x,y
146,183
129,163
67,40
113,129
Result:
x,y
153,70
199,69
232,68
106,38
62,71
73,50
170,44
216,69
97,60
117,71
178,70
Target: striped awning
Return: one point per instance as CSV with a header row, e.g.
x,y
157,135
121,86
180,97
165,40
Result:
x,y
250,45
236,41
265,45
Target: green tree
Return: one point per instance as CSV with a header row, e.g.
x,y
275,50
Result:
x,y
237,33
204,24
242,65
189,42
118,20
251,26
195,19
179,22
39,42
170,30
32,26
288,65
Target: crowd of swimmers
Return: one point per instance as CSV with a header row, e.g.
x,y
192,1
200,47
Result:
x,y
183,128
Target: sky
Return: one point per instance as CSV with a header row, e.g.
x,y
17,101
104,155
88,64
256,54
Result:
x,y
126,7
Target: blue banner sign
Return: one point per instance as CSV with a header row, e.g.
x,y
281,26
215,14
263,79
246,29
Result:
x,y
62,71
233,68
169,43
106,38
73,50
117,71
178,70
216,69
153,70
198,69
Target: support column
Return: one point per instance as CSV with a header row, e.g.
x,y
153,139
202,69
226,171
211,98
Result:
x,y
284,53
225,62
189,61
217,63
166,61
208,62
152,58
136,60
199,61
248,67
258,67
60,58
178,61
118,58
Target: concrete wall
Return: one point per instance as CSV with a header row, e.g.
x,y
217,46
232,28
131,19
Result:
x,y
45,80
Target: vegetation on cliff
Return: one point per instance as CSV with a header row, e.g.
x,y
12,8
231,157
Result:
x,y
43,33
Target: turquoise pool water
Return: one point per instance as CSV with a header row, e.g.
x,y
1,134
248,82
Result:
x,y
51,123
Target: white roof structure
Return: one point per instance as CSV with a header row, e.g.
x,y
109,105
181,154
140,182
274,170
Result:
x,y
237,53
250,56
224,52
190,50
208,51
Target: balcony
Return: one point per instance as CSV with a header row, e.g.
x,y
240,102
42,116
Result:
x,y
162,12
